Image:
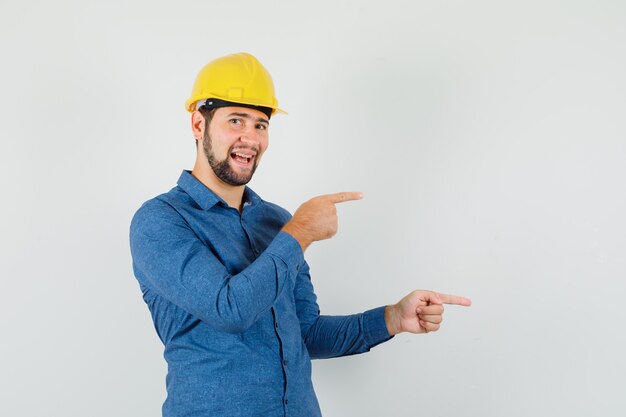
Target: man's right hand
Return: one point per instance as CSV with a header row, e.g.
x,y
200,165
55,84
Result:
x,y
316,219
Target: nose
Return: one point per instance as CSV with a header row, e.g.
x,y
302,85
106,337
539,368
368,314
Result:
x,y
250,136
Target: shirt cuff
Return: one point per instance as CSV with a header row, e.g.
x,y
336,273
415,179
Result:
x,y
375,327
287,248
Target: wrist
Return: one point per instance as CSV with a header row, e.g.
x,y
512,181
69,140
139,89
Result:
x,y
392,320
297,234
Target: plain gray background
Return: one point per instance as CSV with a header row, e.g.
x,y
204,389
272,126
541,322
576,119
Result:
x,y
488,137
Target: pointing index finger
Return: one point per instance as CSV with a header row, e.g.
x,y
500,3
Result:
x,y
454,299
344,196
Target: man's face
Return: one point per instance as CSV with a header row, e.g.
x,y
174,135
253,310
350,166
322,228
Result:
x,y
234,142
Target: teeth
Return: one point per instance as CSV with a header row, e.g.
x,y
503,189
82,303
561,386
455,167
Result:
x,y
243,155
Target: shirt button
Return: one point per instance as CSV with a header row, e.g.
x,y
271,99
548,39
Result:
x,y
285,362
276,325
286,401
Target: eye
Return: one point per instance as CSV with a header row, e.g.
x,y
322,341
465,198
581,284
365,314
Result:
x,y
236,121
261,126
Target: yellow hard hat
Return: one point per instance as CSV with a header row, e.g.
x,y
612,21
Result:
x,y
237,78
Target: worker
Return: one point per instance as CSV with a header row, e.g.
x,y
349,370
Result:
x,y
223,273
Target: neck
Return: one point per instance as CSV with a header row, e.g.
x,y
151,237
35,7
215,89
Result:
x,y
231,194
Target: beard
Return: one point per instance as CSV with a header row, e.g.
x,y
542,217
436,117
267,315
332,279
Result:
x,y
222,169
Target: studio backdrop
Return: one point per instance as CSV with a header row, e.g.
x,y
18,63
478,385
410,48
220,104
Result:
x,y
488,138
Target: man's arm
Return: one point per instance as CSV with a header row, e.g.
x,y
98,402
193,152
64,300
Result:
x,y
333,336
169,258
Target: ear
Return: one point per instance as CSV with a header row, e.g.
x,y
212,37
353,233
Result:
x,y
197,125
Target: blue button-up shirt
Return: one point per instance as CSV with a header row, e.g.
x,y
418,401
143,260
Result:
x,y
232,301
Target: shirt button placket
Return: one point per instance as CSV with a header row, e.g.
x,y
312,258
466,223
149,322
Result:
x,y
285,363
250,241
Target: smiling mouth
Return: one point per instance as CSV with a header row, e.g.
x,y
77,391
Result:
x,y
242,158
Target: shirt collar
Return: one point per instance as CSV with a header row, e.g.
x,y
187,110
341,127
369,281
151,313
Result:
x,y
250,198
205,197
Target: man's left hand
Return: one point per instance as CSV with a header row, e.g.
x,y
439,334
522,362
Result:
x,y
420,311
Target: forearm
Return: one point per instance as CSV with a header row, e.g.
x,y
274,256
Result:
x,y
193,278
333,336
242,298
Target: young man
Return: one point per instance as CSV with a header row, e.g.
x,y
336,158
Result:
x,y
223,274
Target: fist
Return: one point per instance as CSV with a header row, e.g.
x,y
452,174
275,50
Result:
x,y
316,219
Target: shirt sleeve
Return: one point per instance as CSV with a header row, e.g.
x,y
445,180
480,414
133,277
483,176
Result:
x,y
333,336
169,258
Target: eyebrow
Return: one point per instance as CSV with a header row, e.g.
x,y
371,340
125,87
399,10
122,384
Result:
x,y
247,116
